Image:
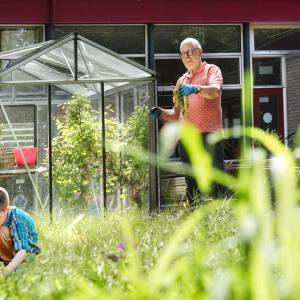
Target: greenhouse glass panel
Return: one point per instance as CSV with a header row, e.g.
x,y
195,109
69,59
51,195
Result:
x,y
88,105
102,65
21,52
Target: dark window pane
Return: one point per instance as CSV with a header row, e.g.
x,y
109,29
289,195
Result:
x,y
139,60
267,71
119,38
230,69
277,39
17,37
231,108
165,99
169,70
213,38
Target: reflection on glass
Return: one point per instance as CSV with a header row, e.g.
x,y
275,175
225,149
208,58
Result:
x,y
6,91
118,38
267,71
127,105
277,38
28,91
22,119
97,63
16,37
213,38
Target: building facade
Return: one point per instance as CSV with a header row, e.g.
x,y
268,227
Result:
x,y
262,36
259,36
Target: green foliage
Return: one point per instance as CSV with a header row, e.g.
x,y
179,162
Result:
x,y
76,151
80,258
180,101
243,248
124,168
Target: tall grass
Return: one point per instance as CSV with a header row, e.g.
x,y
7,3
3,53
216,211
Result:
x,y
244,248
247,247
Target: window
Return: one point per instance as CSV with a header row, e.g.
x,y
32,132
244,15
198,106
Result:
x,y
123,39
277,38
230,68
17,37
12,37
168,71
267,71
222,47
213,38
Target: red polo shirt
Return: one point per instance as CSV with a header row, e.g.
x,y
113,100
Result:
x,y
205,114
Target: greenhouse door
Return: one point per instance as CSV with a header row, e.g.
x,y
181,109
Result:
x,y
268,110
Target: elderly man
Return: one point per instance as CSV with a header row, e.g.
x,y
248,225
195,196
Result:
x,y
202,84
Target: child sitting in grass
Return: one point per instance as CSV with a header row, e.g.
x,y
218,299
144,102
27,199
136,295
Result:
x,y
18,237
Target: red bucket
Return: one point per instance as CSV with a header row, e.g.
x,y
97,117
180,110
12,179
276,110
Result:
x,y
30,154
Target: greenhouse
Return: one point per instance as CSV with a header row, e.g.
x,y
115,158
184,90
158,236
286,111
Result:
x,y
67,108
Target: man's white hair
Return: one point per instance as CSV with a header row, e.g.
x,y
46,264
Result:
x,y
194,42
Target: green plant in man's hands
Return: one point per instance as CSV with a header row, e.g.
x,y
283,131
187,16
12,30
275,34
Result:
x,y
180,101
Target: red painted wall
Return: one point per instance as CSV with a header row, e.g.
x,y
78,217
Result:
x,y
149,11
24,11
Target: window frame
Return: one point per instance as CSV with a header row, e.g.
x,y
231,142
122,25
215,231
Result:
x,y
128,55
14,96
270,26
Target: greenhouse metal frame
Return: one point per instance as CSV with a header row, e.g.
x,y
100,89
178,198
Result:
x,y
72,62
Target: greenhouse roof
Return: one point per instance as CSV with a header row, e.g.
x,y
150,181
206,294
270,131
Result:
x,y
71,59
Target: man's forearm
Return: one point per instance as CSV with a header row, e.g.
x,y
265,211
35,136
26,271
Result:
x,y
168,115
16,261
209,91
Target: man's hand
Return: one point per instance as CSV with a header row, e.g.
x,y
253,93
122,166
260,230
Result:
x,y
155,112
187,89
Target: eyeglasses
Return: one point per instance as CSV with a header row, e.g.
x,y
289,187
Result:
x,y
188,53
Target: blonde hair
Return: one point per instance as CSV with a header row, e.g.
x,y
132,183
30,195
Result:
x,y
4,199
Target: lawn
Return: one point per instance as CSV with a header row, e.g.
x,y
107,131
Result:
x,y
245,247
129,255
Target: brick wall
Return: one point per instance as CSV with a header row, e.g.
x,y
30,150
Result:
x,y
293,92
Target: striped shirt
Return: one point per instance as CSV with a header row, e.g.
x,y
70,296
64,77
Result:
x,y
22,230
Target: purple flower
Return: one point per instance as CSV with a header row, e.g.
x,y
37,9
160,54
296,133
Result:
x,y
120,246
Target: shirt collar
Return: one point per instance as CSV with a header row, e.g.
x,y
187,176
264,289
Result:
x,y
199,70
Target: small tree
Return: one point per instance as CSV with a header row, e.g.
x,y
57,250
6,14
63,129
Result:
x,y
76,151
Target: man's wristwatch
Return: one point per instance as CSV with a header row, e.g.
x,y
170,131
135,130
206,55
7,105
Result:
x,y
198,89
